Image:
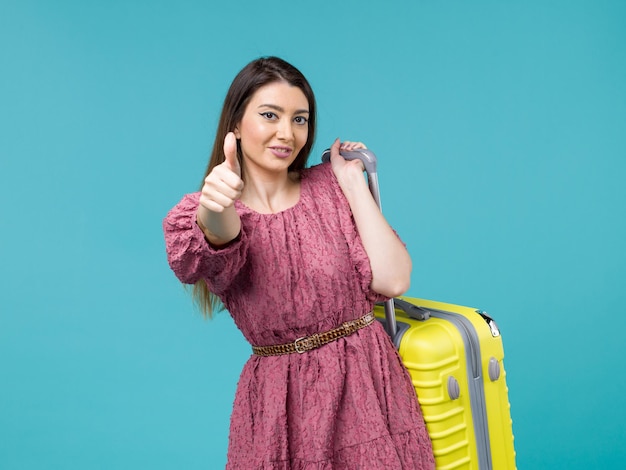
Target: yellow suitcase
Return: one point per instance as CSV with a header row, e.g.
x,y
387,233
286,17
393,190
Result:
x,y
454,355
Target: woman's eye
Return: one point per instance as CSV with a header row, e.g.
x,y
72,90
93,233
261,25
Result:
x,y
268,115
300,120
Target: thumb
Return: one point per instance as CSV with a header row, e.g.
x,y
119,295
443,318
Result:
x,y
230,152
334,150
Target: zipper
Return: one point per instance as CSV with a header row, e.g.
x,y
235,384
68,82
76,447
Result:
x,y
475,385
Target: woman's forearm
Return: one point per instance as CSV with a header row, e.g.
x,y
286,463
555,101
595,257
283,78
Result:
x,y
389,259
219,228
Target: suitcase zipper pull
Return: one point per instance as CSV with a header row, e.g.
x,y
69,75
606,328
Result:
x,y
495,331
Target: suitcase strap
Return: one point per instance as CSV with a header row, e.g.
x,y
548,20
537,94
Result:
x,y
307,343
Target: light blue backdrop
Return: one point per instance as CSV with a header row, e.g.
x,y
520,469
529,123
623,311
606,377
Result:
x,y
501,132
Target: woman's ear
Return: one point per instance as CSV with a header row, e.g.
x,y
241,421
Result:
x,y
237,133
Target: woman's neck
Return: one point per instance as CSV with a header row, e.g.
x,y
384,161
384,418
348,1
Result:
x,y
269,195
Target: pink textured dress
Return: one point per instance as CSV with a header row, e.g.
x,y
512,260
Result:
x,y
347,405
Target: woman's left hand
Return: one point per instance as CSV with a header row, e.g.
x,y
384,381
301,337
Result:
x,y
348,145
348,172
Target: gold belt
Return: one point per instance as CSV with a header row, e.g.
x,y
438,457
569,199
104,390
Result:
x,y
307,343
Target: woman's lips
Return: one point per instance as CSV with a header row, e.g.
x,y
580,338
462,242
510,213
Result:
x,y
281,152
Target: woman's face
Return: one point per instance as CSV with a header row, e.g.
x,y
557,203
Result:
x,y
274,128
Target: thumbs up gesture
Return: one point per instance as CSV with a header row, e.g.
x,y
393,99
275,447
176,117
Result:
x,y
223,185
230,152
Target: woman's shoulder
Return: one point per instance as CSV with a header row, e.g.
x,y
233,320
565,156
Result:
x,y
318,169
318,175
189,202
320,185
191,199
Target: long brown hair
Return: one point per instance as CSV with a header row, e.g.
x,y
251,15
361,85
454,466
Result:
x,y
256,74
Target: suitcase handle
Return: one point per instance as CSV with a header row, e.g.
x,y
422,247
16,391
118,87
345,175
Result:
x,y
368,159
366,156
369,162
413,311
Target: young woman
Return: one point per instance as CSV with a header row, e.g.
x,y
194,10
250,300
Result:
x,y
299,256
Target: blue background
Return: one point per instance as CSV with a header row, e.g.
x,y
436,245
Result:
x,y
501,132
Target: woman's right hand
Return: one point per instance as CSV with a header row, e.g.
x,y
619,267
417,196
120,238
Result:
x,y
216,214
223,185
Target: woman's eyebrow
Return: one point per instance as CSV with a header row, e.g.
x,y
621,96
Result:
x,y
281,110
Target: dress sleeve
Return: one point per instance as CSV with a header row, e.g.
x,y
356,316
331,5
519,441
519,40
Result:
x,y
190,255
358,255
364,269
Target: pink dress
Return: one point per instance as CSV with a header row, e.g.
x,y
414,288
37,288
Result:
x,y
347,405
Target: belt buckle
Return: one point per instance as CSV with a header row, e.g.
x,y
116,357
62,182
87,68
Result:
x,y
306,343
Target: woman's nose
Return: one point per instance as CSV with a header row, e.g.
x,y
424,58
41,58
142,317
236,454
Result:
x,y
284,131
